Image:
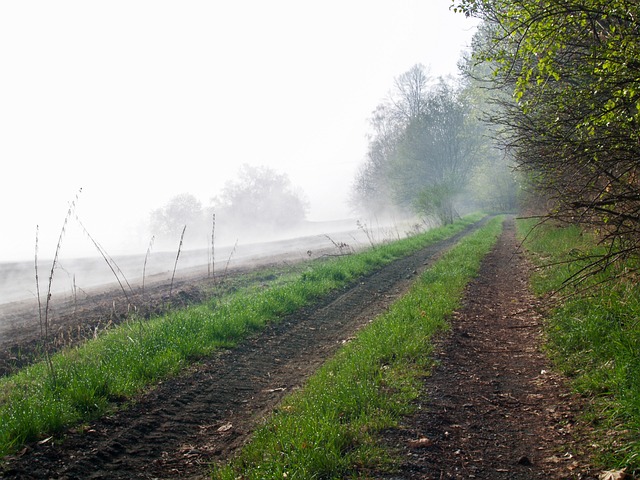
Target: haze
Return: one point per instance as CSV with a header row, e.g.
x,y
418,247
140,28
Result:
x,y
136,102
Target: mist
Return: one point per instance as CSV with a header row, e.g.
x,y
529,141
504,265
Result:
x,y
176,102
92,273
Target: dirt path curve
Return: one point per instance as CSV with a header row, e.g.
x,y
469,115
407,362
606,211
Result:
x,y
493,409
184,424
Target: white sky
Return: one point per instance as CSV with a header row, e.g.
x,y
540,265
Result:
x,y
138,101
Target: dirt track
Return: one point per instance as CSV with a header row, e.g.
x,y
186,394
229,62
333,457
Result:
x,y
491,410
179,427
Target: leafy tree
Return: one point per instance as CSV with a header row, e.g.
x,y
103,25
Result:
x,y
437,153
423,150
184,209
573,122
259,199
494,184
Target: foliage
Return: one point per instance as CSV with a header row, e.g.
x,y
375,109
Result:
x,y
260,198
169,221
425,142
494,184
328,430
437,198
572,122
593,335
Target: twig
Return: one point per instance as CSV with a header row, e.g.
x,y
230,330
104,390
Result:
x,y
38,285
213,251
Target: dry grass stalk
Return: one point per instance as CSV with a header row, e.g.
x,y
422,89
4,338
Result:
x,y
233,250
175,265
146,258
113,266
46,320
213,251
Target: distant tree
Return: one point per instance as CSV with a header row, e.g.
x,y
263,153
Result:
x,y
424,148
494,183
437,153
169,221
411,90
371,190
260,198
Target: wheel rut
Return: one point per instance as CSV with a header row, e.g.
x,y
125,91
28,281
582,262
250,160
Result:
x,y
182,425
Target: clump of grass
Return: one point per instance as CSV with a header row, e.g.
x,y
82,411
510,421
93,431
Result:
x,y
125,359
328,429
593,335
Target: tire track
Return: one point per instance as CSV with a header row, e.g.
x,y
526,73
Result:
x,y
179,427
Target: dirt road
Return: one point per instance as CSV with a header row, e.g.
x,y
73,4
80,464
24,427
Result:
x,y
185,423
491,410
494,408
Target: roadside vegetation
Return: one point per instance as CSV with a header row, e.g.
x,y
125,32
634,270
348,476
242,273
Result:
x,y
561,82
85,382
328,429
559,90
593,333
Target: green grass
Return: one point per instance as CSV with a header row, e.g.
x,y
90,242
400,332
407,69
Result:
x,y
125,360
328,429
594,338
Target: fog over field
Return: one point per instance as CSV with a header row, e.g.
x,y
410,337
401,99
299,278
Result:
x,y
136,102
86,275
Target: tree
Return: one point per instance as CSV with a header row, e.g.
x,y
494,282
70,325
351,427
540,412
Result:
x,y
184,209
423,150
437,153
371,190
410,93
260,199
573,122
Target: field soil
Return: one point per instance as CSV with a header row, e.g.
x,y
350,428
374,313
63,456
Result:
x,y
492,409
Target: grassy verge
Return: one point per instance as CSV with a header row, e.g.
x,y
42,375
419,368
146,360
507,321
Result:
x,y
328,429
594,337
84,382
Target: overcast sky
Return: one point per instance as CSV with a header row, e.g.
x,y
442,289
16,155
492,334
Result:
x,y
138,101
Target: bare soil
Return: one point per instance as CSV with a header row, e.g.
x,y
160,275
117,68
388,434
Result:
x,y
492,409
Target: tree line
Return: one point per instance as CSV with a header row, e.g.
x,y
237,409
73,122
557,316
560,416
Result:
x,y
259,202
564,82
430,154
546,118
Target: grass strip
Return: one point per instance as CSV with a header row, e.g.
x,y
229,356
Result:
x,y
593,336
328,429
127,359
